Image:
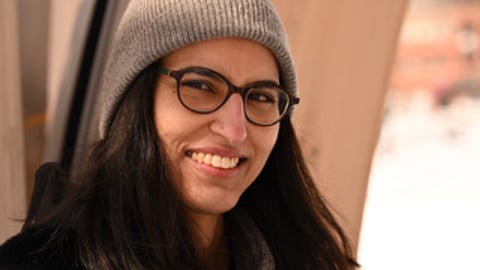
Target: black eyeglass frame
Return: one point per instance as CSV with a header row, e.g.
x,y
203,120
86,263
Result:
x,y
232,89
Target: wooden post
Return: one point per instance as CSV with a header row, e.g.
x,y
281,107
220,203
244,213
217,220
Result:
x,y
12,162
343,52
33,31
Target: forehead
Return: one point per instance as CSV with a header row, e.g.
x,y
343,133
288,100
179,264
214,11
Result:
x,y
235,58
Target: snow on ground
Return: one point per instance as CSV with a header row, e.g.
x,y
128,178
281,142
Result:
x,y
423,205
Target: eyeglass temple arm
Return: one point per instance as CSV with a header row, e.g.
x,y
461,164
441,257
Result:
x,y
295,100
163,70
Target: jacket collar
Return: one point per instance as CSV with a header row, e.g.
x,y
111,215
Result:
x,y
247,243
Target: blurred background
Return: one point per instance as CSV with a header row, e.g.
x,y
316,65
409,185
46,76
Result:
x,y
424,190
388,120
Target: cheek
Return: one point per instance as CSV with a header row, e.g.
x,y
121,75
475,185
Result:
x,y
167,132
269,137
165,115
174,125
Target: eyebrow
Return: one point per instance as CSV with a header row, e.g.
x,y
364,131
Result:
x,y
263,83
211,73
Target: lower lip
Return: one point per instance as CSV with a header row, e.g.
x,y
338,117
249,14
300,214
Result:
x,y
217,172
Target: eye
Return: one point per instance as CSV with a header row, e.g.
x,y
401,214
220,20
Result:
x,y
264,96
199,85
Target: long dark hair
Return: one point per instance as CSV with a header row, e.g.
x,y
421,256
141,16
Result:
x,y
126,214
292,214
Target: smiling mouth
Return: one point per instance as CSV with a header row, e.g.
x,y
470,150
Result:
x,y
216,161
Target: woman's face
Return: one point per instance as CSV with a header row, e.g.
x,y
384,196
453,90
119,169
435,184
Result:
x,y
199,146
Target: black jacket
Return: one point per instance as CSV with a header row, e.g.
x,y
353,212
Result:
x,y
28,249
33,248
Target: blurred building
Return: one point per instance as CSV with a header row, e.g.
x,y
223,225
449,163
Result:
x,y
439,50
423,188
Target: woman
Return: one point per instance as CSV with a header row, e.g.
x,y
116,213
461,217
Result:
x,y
198,166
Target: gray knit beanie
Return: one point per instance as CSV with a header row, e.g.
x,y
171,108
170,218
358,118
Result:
x,y
151,29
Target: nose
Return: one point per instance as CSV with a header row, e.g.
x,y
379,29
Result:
x,y
230,120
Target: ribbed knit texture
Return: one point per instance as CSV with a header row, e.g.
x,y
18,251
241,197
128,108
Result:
x,y
151,29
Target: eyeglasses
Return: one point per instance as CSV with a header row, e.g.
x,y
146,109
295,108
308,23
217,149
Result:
x,y
202,90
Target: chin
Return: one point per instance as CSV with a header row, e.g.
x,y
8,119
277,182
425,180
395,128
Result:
x,y
213,207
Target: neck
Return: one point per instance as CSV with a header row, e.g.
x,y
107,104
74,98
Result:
x,y
211,244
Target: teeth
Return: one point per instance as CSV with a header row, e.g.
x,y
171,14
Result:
x,y
216,160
